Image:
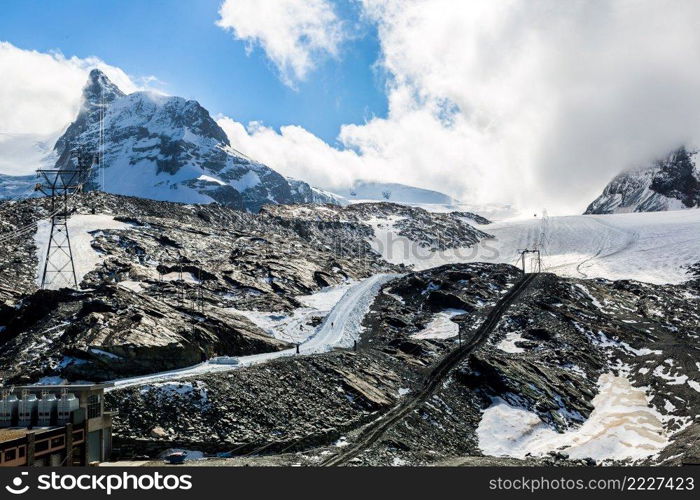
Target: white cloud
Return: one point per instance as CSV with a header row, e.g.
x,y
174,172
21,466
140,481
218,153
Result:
x,y
536,103
39,97
296,152
294,34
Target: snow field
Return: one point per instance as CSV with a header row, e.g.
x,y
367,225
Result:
x,y
621,425
651,247
441,326
80,230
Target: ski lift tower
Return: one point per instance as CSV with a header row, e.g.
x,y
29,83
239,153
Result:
x,y
60,184
537,257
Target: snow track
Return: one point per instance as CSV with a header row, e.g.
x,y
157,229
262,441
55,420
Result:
x,y
340,329
344,323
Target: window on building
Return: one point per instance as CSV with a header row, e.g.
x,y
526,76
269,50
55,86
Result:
x,y
10,454
94,408
22,451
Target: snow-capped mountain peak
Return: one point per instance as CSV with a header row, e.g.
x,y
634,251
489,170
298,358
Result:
x,y
671,183
168,148
100,89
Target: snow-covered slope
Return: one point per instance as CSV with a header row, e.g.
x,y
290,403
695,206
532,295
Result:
x,y
672,183
309,194
396,193
23,153
652,247
83,228
169,148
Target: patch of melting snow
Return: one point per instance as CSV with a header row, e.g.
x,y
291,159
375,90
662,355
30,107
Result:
x,y
82,228
441,326
622,425
590,296
604,341
508,343
678,379
176,276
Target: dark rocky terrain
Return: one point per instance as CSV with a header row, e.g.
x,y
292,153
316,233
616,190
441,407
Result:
x,y
667,184
172,282
571,332
437,231
164,293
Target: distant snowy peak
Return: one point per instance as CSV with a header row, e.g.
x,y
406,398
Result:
x,y
302,191
672,183
170,149
396,193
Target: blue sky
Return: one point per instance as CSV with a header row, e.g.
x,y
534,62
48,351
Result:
x,y
178,42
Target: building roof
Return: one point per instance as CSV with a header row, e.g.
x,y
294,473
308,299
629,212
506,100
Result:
x,y
10,434
58,387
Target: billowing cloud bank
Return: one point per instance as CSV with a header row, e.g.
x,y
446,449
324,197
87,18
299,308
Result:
x,y
39,97
536,103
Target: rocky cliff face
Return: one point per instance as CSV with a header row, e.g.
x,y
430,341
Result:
x,y
671,183
169,148
165,292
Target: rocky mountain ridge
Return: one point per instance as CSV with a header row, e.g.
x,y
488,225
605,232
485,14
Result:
x,y
543,359
671,183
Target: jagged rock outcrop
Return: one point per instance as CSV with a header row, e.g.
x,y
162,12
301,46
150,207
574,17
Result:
x,y
285,405
544,357
112,332
170,280
437,231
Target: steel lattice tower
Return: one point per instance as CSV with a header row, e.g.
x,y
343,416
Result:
x,y
59,267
